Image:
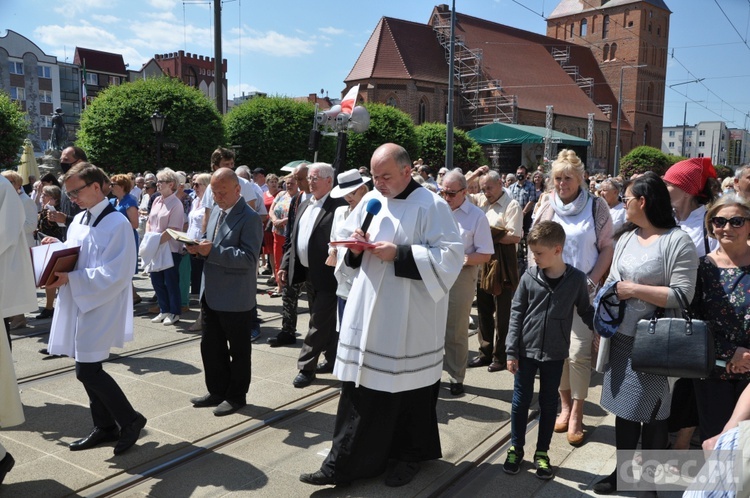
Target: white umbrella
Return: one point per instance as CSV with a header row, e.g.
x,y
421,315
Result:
x,y
28,164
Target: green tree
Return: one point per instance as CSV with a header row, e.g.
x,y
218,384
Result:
x,y
723,171
117,135
431,139
642,159
274,131
13,129
387,124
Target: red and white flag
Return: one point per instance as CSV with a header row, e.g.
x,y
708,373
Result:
x,y
350,100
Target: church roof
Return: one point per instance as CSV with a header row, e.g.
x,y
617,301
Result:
x,y
570,7
399,49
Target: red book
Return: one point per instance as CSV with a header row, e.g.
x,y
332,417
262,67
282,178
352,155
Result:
x,y
51,258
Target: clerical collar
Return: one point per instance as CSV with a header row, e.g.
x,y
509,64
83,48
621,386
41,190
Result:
x,y
411,187
97,210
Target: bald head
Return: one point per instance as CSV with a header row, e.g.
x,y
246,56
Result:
x,y
300,174
391,169
225,187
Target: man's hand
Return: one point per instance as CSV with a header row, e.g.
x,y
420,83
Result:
x,y
512,366
49,240
386,251
62,279
362,237
201,249
281,275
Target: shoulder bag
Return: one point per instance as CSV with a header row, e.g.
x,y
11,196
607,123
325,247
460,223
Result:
x,y
674,347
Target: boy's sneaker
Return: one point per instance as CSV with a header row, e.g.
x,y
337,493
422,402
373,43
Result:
x,y
513,461
543,468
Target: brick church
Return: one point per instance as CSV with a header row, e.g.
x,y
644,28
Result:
x,y
509,75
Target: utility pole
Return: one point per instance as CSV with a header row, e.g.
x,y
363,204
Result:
x,y
449,118
218,66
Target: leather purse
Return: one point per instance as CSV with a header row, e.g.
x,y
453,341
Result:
x,y
674,347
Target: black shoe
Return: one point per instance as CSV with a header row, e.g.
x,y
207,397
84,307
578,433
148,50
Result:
x,y
303,378
324,368
45,352
513,461
457,388
271,281
130,434
206,400
97,437
6,464
320,479
496,366
402,474
606,486
479,361
282,339
45,314
227,408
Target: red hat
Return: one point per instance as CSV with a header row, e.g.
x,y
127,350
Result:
x,y
690,175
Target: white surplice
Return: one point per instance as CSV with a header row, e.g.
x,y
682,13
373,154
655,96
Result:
x,y
17,294
393,329
95,309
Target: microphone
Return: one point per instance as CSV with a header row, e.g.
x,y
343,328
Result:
x,y
373,208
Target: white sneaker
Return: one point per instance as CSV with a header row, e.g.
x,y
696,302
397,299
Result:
x,y
171,319
160,317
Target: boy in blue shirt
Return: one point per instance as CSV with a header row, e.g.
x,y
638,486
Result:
x,y
539,339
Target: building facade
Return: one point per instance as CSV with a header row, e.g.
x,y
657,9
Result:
x,y
706,139
40,85
623,34
194,70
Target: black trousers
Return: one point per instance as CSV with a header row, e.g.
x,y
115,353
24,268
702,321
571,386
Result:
x,y
196,274
322,336
374,426
109,405
226,351
492,330
716,400
289,297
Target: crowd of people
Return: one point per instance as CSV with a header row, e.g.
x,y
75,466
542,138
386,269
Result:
x,y
391,259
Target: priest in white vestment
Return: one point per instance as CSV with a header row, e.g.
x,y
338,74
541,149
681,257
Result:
x,y
17,296
95,306
390,352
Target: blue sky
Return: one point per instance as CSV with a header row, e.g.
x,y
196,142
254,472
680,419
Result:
x,y
297,47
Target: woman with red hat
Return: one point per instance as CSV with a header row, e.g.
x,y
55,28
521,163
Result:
x,y
690,189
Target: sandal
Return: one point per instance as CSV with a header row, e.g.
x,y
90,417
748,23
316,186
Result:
x,y
275,294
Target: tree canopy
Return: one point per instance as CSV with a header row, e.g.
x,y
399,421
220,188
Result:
x,y
13,129
431,139
642,159
117,134
387,124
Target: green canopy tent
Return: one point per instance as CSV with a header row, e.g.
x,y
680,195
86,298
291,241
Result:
x,y
512,134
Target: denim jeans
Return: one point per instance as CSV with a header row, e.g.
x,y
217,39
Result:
x,y
523,390
167,287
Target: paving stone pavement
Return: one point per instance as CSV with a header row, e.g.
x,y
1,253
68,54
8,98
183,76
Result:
x,y
267,462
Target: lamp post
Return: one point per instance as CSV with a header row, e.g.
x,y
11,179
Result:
x,y
157,122
619,118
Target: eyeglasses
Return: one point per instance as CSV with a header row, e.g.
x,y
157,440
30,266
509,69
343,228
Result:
x,y
446,193
194,185
734,221
162,181
73,194
627,199
313,179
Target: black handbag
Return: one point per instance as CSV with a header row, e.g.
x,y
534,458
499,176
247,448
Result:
x,y
674,347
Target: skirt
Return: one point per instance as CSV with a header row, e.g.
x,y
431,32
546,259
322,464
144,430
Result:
x,y
634,396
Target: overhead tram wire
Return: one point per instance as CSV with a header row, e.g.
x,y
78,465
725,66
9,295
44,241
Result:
x,y
744,40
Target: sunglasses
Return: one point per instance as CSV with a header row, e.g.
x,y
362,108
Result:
x,y
446,193
734,221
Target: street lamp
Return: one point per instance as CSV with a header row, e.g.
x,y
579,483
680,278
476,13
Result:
x,y
157,122
619,118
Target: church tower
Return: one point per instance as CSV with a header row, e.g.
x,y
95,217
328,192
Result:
x,y
623,34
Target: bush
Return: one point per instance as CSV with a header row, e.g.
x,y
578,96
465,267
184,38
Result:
x,y
642,159
387,124
274,131
117,135
13,129
431,139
